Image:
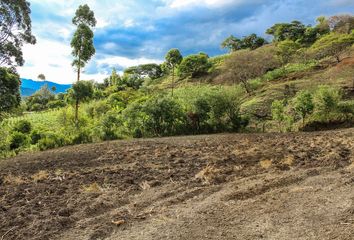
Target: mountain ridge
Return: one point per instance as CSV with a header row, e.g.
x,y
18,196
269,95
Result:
x,y
29,86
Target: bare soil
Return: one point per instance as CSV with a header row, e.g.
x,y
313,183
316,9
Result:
x,y
233,186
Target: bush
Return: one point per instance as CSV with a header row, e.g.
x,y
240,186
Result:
x,y
194,66
56,104
23,126
163,116
35,137
326,101
18,140
83,136
50,141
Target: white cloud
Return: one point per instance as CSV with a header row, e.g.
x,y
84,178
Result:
x,y
125,62
207,3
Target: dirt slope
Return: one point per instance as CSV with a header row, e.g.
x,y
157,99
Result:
x,y
271,186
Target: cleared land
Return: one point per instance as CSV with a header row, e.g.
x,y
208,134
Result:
x,y
257,186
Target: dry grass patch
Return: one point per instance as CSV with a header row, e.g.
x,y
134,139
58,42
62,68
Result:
x,y
266,163
92,188
40,176
288,160
208,175
14,180
145,185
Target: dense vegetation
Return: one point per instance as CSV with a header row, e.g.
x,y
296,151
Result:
x,y
286,85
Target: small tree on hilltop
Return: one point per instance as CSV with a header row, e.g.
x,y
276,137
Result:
x,y
41,77
173,59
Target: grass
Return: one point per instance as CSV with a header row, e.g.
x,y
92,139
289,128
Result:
x,y
14,180
92,188
40,176
208,175
266,164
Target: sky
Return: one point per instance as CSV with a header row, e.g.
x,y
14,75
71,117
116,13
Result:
x,y
133,32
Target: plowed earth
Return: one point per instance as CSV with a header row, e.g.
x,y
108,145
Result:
x,y
270,186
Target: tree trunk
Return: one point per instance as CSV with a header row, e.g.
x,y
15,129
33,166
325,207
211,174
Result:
x,y
77,100
173,78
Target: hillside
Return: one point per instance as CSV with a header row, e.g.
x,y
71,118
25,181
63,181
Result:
x,y
29,86
233,186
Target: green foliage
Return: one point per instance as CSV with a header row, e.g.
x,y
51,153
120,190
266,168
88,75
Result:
x,y
9,89
333,45
173,58
40,99
286,49
84,15
18,140
152,70
23,126
82,42
82,91
194,66
249,42
163,116
303,104
16,30
82,136
326,101
50,141
288,69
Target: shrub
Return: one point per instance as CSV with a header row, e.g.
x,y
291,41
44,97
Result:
x,y
194,66
326,101
303,104
18,140
163,116
35,137
56,104
50,141
83,136
23,126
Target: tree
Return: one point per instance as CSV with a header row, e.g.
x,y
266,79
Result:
x,y
341,24
253,42
287,31
303,104
333,45
173,59
232,43
54,88
278,112
245,65
326,100
10,97
249,42
82,91
15,30
194,66
151,70
286,49
41,77
82,42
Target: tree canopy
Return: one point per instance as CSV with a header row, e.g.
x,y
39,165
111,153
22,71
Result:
x,y
249,42
9,90
15,30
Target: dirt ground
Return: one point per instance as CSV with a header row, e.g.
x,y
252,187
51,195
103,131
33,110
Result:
x,y
233,186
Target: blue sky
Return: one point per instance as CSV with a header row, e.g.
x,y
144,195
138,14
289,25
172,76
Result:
x,y
131,32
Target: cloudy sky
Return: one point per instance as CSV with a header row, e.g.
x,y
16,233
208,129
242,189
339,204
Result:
x,y
131,32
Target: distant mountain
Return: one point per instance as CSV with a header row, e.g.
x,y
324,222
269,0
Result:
x,y
29,87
